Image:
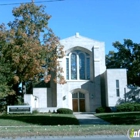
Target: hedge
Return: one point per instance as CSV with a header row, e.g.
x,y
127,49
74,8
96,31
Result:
x,y
126,107
64,111
103,109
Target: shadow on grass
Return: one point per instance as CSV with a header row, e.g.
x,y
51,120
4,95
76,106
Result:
x,y
122,119
40,119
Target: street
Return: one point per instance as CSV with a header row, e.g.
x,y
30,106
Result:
x,y
117,137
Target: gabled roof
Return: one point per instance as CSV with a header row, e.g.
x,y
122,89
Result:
x,y
78,37
78,40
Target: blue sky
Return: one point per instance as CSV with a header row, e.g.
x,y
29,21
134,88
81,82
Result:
x,y
102,20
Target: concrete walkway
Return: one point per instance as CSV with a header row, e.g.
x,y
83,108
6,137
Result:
x,y
89,118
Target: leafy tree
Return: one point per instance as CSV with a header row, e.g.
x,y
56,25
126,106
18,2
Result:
x,y
127,56
29,46
6,75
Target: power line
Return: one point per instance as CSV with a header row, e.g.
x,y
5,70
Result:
x,y
5,4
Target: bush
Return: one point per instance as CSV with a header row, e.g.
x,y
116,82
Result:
x,y
128,107
137,107
108,109
100,110
64,111
35,111
3,105
103,109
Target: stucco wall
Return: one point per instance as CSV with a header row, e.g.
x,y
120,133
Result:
x,y
41,94
65,93
112,75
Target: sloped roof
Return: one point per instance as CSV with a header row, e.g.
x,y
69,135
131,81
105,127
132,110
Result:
x,y
78,37
78,40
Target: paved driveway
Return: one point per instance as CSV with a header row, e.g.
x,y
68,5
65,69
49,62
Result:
x,y
89,118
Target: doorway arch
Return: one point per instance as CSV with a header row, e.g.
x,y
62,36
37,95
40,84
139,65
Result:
x,y
78,101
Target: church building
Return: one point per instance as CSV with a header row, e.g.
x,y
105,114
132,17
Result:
x,y
89,84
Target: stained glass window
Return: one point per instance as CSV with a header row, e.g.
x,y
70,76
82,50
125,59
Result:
x,y
81,66
67,68
73,66
78,66
88,68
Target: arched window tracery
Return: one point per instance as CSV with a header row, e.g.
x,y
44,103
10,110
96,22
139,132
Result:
x,y
78,65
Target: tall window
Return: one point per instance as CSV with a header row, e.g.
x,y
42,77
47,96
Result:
x,y
73,66
88,68
117,88
67,68
81,66
78,66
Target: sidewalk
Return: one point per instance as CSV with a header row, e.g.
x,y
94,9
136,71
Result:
x,y
89,118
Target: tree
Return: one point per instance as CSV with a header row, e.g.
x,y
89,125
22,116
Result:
x,y
5,78
6,74
31,48
127,56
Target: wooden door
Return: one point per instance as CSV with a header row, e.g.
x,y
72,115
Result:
x,y
78,100
82,105
75,105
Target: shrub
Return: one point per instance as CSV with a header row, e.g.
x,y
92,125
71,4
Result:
x,y
100,110
137,107
126,107
35,111
108,109
103,109
64,111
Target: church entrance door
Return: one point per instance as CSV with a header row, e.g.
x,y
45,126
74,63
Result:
x,y
78,100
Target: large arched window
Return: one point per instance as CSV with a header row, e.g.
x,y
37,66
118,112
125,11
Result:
x,y
78,66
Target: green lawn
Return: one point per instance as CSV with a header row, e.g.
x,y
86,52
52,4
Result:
x,y
121,118
65,130
61,125
37,119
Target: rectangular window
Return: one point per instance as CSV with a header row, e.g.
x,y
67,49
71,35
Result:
x,y
67,68
81,95
88,68
75,95
117,88
73,66
81,66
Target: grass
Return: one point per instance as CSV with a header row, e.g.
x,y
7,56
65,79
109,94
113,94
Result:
x,y
124,118
67,130
61,125
37,119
